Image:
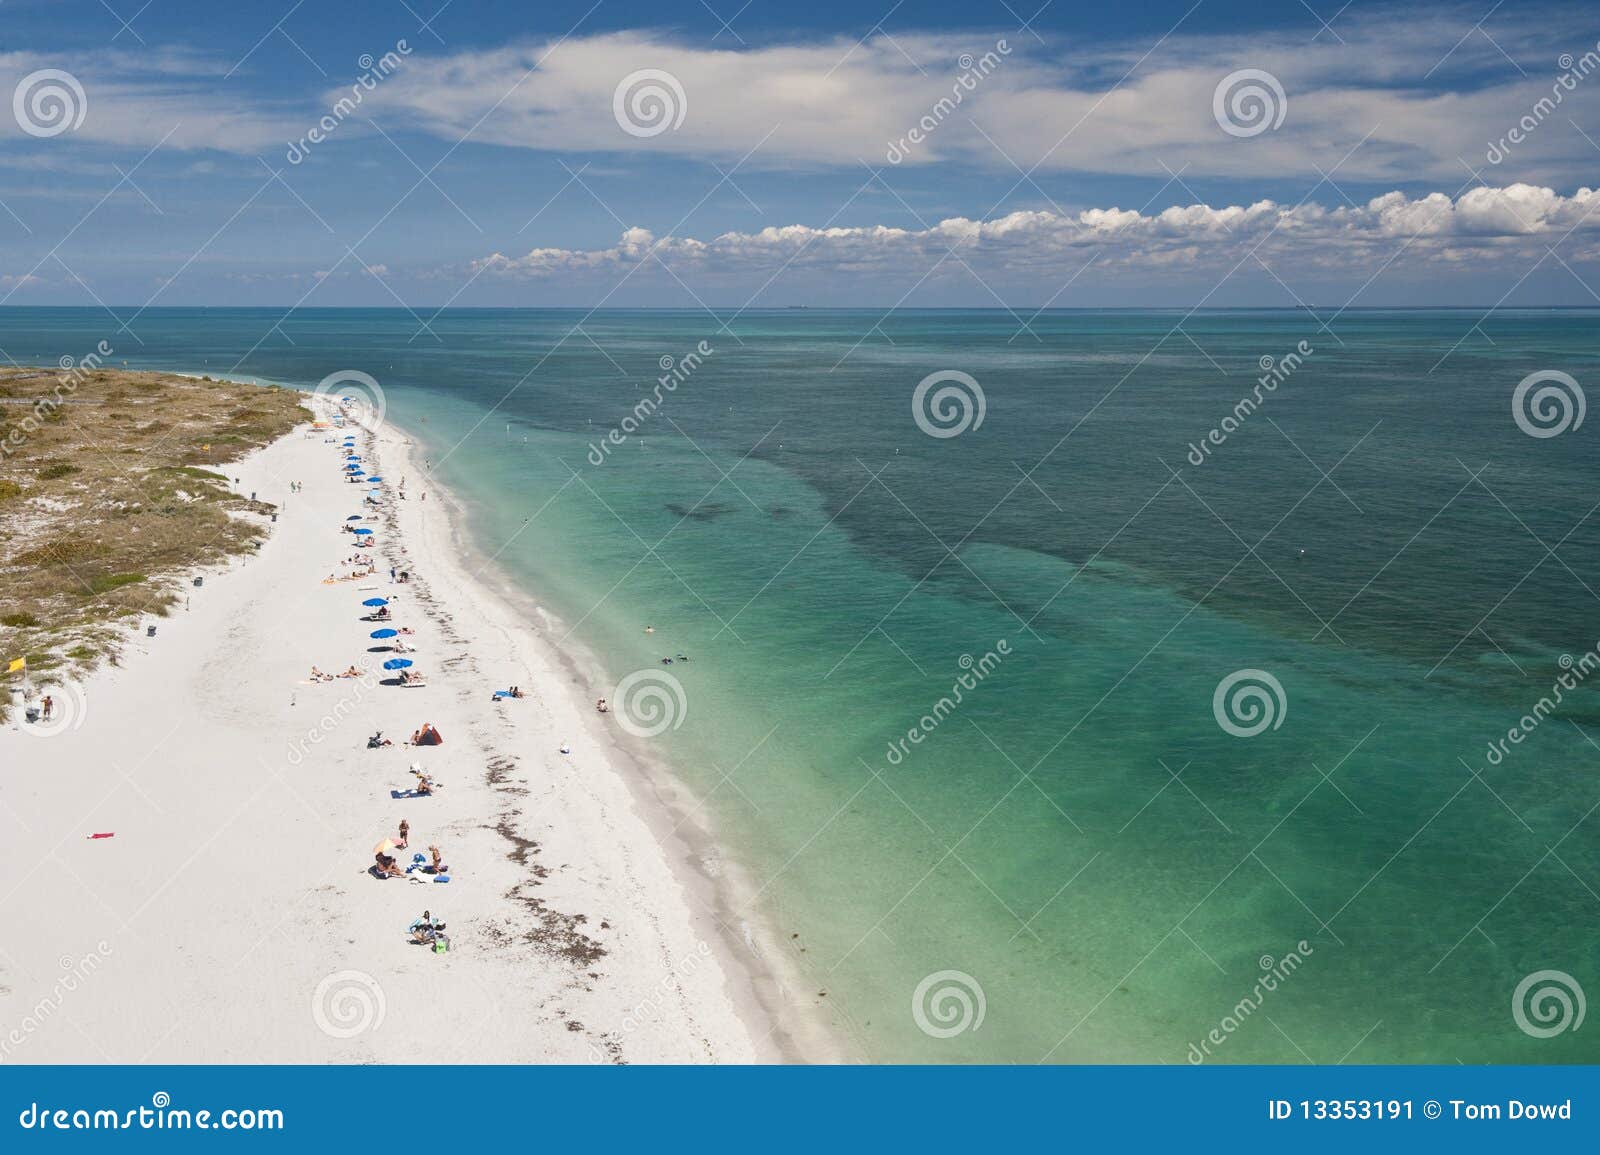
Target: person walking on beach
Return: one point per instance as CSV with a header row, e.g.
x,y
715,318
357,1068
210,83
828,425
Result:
x,y
391,575
49,705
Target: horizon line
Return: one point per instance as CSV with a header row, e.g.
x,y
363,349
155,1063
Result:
x,y
739,310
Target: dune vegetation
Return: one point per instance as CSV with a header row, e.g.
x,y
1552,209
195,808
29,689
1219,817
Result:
x,y
113,488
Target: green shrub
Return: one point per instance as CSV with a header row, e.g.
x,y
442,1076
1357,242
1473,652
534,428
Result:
x,y
107,582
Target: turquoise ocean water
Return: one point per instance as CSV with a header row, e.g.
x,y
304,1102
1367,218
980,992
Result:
x,y
1079,838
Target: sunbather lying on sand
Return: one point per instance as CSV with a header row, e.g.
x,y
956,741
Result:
x,y
387,866
352,672
318,676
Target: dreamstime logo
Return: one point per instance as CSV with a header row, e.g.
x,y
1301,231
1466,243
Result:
x,y
330,720
649,102
951,410
1546,1003
348,1003
1274,973
1573,673
68,706
650,702
674,372
49,102
1249,102
651,1009
1552,409
74,371
1247,702
974,671
355,395
1572,71
972,71
372,71
948,1003
1274,372
77,972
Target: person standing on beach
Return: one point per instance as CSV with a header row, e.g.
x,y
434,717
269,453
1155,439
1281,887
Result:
x,y
49,706
391,575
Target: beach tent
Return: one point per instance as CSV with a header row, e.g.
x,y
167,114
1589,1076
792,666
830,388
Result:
x,y
376,602
397,663
431,738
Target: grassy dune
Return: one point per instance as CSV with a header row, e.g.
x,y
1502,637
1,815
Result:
x,y
110,493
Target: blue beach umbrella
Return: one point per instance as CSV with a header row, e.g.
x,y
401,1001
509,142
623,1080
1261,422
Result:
x,y
354,517
376,602
397,663
383,633
374,478
362,531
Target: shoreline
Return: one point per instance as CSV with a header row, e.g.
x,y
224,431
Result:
x,y
678,824
582,929
676,820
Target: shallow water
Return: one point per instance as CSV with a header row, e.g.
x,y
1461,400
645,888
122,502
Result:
x,y
1078,837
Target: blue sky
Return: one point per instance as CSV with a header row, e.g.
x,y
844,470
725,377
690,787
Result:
x,y
1408,153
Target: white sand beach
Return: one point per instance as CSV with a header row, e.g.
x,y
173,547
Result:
x,y
233,915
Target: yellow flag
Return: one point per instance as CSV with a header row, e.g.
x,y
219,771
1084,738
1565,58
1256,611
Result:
x,y
17,664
